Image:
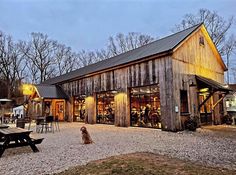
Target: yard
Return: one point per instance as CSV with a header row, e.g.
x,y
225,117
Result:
x,y
143,163
62,150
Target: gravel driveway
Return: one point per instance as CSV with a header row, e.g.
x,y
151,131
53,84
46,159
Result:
x,y
64,149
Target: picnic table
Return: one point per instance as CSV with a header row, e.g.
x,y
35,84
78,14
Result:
x,y
3,126
17,137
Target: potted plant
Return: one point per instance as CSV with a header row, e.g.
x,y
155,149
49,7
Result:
x,y
191,123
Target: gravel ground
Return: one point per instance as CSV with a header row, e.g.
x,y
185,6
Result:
x,y
64,149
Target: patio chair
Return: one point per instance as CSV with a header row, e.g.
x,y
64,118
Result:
x,y
56,122
49,123
39,124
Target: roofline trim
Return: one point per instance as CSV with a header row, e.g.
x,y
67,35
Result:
x,y
148,58
215,48
186,38
35,87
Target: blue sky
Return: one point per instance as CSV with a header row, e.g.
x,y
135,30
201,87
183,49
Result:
x,y
87,24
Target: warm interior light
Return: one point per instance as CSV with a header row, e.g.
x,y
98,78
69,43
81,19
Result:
x,y
204,89
226,86
120,96
37,99
28,89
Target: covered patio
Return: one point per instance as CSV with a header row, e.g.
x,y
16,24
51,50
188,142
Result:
x,y
210,97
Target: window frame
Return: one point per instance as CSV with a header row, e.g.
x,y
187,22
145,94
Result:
x,y
184,101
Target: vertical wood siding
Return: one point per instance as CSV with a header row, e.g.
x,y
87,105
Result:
x,y
140,74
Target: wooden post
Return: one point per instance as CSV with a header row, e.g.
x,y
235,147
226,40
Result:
x,y
193,100
90,106
170,119
122,118
69,111
216,109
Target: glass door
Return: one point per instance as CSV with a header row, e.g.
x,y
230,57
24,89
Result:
x,y
59,110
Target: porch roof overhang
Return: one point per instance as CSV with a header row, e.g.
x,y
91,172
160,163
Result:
x,y
51,92
211,84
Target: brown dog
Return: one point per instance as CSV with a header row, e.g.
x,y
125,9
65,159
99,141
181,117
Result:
x,y
85,135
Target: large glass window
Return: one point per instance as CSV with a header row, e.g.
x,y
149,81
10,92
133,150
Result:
x,y
105,108
145,107
79,109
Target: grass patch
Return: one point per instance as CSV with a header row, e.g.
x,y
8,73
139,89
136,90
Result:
x,y
144,164
223,131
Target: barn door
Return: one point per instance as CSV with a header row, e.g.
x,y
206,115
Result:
x,y
59,110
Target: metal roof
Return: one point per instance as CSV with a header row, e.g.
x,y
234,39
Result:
x,y
163,45
213,84
51,91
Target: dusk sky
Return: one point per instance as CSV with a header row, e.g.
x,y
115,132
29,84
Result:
x,y
87,24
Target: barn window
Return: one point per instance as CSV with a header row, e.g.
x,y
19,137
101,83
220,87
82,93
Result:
x,y
183,101
201,40
145,106
106,107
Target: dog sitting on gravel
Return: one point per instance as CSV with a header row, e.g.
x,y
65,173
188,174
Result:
x,y
85,136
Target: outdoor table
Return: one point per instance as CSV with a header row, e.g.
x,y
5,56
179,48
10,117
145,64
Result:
x,y
17,137
3,126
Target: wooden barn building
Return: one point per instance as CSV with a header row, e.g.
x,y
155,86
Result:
x,y
157,85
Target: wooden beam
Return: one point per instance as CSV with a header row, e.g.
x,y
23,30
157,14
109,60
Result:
x,y
214,105
199,107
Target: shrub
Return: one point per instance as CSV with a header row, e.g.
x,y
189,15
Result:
x,y
191,124
228,119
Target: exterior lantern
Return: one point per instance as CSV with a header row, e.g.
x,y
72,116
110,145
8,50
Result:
x,y
28,89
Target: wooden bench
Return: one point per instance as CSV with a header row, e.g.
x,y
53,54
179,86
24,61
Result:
x,y
36,140
3,126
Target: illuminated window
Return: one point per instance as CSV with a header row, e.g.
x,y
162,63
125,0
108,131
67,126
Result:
x,y
145,107
105,108
79,109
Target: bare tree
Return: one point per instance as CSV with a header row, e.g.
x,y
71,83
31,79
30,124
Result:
x,y
218,28
85,58
116,45
41,58
233,70
216,25
122,43
102,54
39,52
228,50
11,67
65,59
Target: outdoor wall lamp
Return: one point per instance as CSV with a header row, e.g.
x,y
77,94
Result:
x,y
204,90
83,96
28,89
192,84
190,81
117,90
